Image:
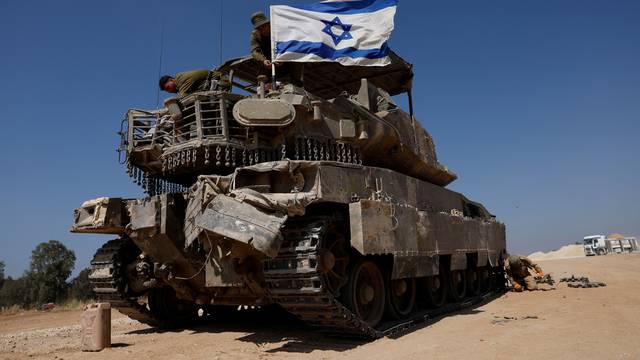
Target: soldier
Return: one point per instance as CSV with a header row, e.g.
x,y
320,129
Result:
x,y
261,39
188,82
517,269
261,50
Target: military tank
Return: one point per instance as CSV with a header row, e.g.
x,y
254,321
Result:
x,y
328,201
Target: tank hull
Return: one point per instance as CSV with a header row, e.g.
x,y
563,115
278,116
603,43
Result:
x,y
236,239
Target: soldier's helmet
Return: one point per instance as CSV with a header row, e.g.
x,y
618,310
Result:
x,y
514,259
258,19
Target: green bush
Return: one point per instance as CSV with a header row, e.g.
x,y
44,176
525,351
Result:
x,y
1,274
46,279
81,288
13,292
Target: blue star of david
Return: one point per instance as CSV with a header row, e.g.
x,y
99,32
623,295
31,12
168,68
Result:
x,y
328,29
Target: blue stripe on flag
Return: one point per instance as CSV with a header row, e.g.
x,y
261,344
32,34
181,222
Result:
x,y
327,52
348,7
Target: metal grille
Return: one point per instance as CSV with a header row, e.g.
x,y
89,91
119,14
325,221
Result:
x,y
203,118
142,126
213,126
144,130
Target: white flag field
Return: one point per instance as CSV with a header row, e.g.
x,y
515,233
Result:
x,y
351,32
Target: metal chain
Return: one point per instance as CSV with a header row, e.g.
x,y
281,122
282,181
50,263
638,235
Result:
x,y
233,156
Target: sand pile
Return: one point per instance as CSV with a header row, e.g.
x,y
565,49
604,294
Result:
x,y
567,251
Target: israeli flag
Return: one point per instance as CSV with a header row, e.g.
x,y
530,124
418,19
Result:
x,y
351,32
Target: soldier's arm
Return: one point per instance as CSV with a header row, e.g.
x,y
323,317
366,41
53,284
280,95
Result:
x,y
256,51
223,80
507,271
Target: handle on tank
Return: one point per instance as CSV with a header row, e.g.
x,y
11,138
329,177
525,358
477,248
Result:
x,y
262,79
123,142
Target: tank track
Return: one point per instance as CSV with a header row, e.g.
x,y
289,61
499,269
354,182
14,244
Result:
x,y
294,281
109,281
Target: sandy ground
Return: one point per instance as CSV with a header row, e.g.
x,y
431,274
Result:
x,y
567,323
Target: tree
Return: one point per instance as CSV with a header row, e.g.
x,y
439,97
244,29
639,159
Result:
x,y
13,292
1,274
46,279
81,288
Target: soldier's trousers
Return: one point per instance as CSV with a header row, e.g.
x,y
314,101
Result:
x,y
529,282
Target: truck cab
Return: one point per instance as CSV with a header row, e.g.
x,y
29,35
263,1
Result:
x,y
594,245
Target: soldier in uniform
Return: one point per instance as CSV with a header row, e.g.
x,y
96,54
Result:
x,y
517,269
261,39
188,82
261,50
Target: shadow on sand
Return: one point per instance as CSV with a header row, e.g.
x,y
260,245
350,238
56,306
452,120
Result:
x,y
119,345
272,325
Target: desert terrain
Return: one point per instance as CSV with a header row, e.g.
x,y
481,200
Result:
x,y
565,323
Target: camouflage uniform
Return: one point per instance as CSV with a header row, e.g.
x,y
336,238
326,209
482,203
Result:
x,y
189,82
260,47
517,269
261,51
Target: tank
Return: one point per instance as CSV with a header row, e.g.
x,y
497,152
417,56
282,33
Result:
x,y
328,201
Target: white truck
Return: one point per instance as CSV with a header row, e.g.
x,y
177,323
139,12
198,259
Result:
x,y
602,245
594,245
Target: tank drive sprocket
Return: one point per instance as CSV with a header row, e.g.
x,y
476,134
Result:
x,y
296,279
110,277
110,281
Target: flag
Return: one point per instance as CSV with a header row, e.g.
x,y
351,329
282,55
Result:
x,y
351,32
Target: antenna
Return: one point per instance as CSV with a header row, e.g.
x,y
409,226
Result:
x,y
160,60
221,17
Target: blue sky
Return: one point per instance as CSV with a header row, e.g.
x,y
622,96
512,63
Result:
x,y
536,106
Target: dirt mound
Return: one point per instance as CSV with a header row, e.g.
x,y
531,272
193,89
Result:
x,y
567,251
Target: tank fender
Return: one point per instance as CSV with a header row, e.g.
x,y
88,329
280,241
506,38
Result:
x,y
144,213
405,266
483,258
496,258
381,227
458,261
228,217
101,216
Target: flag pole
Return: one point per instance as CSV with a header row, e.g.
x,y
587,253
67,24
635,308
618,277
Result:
x,y
273,52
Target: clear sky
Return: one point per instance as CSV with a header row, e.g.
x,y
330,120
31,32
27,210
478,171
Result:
x,y
535,104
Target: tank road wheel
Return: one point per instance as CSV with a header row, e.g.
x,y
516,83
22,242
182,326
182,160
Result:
x,y
169,310
365,292
484,278
401,297
457,285
333,262
434,290
473,281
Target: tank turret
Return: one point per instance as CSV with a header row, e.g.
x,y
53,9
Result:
x,y
216,132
